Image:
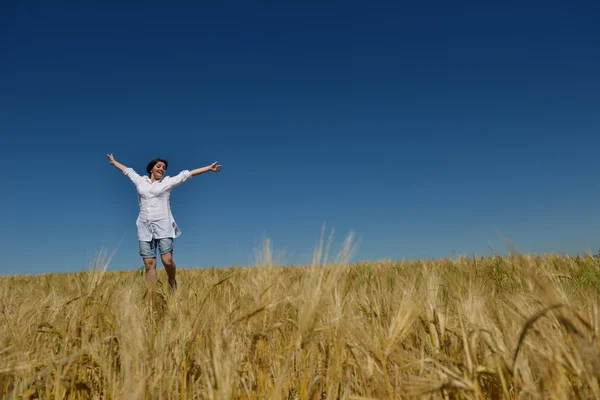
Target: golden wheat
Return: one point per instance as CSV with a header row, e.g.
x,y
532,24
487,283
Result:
x,y
498,328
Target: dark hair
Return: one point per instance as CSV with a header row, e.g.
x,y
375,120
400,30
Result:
x,y
152,163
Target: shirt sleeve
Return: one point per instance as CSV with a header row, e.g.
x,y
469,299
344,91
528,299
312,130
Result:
x,y
131,174
178,179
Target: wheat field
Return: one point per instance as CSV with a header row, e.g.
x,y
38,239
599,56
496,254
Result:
x,y
522,326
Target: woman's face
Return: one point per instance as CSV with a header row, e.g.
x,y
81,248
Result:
x,y
158,171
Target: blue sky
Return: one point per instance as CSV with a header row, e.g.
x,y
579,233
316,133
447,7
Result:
x,y
425,127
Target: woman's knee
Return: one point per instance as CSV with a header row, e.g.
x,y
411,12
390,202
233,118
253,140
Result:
x,y
167,259
150,263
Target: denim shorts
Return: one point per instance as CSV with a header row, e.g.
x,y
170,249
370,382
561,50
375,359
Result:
x,y
148,249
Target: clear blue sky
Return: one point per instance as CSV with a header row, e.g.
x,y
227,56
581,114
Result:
x,y
422,126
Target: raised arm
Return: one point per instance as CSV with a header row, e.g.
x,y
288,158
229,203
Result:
x,y
117,164
185,175
214,167
128,172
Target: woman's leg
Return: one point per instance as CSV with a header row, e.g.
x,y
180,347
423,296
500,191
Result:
x,y
165,247
169,264
148,254
150,264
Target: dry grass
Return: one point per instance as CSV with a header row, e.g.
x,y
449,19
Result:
x,y
517,327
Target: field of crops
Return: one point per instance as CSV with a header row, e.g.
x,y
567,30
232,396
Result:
x,y
499,328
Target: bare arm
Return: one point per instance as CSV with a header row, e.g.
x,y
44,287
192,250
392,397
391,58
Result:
x,y
117,164
214,167
128,172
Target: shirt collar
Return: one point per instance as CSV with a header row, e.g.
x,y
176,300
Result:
x,y
147,178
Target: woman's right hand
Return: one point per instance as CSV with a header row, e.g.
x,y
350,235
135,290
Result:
x,y
118,165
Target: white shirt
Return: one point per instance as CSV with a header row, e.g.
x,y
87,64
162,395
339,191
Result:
x,y
155,220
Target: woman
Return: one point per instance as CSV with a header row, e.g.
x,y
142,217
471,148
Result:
x,y
156,227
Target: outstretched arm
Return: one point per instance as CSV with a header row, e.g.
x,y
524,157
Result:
x,y
128,172
117,164
214,167
185,175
